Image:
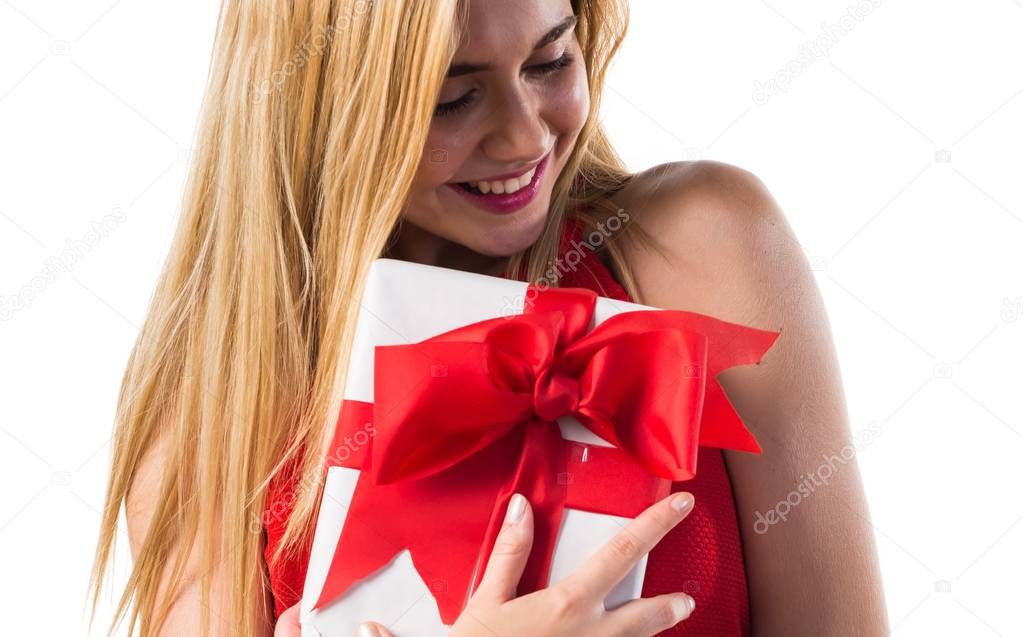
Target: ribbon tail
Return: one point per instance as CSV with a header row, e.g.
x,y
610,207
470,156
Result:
x,y
440,520
361,548
541,476
721,425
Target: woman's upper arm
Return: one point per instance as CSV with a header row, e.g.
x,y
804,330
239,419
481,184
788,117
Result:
x,y
726,250
185,612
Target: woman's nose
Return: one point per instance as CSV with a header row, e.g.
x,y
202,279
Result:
x,y
518,131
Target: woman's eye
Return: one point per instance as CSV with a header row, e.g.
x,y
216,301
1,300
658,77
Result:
x,y
449,108
553,66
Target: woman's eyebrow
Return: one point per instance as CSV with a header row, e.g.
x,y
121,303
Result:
x,y
551,36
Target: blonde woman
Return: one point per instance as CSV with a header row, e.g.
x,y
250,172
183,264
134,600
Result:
x,y
462,134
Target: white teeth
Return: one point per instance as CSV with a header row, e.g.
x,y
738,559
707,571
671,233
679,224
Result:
x,y
505,186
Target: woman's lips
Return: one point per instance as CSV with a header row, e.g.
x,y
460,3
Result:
x,y
506,203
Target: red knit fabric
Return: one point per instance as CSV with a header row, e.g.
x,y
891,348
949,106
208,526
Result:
x,y
702,556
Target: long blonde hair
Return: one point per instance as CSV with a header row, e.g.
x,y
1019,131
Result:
x,y
315,117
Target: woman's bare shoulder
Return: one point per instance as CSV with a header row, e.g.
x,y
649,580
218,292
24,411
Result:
x,y
713,231
141,507
144,494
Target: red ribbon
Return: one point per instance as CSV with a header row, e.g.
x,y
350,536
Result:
x,y
464,420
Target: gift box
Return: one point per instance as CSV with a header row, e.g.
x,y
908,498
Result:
x,y
463,389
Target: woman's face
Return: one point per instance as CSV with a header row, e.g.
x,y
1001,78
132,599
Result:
x,y
511,108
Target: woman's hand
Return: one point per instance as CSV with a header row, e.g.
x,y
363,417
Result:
x,y
287,623
575,605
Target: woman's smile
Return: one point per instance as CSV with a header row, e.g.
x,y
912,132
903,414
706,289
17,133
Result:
x,y
506,193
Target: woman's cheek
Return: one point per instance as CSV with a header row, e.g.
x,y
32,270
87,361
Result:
x,y
438,161
569,104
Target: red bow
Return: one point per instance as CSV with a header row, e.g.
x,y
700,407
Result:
x,y
465,419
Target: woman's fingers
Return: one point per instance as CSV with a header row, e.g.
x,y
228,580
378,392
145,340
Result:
x,y
511,550
650,614
599,574
373,629
596,577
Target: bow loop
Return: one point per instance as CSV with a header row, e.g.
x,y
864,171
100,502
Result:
x,y
644,393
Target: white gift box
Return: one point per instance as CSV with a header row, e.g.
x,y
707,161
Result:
x,y
407,303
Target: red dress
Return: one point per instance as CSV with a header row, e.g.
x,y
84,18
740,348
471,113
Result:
x,y
702,556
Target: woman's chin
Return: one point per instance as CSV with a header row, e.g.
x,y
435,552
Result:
x,y
511,238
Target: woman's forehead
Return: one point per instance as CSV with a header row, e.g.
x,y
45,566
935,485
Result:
x,y
493,28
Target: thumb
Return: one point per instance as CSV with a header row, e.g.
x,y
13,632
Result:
x,y
373,629
511,551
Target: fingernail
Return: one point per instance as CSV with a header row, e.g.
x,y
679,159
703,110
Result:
x,y
684,606
368,630
682,502
516,508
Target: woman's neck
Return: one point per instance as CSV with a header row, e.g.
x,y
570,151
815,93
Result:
x,y
412,243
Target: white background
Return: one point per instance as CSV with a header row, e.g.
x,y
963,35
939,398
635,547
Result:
x,y
896,159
